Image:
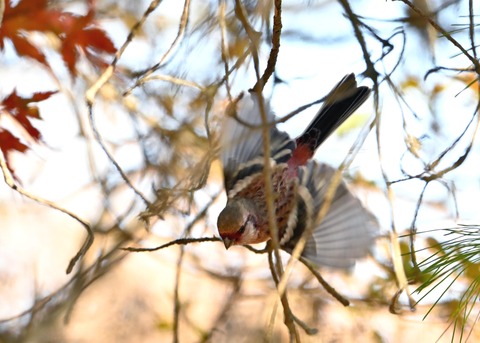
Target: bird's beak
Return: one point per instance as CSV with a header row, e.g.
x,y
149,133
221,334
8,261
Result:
x,y
228,242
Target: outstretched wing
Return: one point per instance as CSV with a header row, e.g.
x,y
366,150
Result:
x,y
242,141
348,230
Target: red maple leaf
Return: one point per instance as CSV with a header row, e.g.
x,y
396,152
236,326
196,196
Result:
x,y
23,111
77,33
82,35
27,16
8,143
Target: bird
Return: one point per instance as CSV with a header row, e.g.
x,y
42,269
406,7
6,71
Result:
x,y
347,231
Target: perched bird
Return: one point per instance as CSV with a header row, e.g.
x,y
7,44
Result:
x,y
299,184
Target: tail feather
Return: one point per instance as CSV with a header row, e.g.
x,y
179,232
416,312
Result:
x,y
339,104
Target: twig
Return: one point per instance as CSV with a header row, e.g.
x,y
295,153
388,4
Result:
x,y
177,81
79,283
185,241
107,74
401,278
178,38
176,299
329,195
224,46
272,59
413,230
271,323
276,267
91,93
438,68
253,35
288,317
100,141
11,183
325,284
471,30
373,74
180,241
452,40
307,233
336,179
371,71
237,65
267,172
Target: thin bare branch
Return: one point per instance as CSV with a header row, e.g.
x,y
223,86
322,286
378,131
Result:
x,y
267,172
288,317
99,139
176,295
471,29
11,183
325,284
224,46
107,74
253,35
274,50
180,241
447,35
176,42
91,93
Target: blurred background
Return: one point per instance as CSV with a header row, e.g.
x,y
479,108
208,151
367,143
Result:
x,y
109,119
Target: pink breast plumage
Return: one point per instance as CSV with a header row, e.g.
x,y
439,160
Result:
x,y
284,196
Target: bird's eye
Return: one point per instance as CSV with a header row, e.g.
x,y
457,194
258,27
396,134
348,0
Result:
x,y
249,221
242,229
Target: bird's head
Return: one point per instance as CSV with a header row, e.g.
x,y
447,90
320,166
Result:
x,y
237,224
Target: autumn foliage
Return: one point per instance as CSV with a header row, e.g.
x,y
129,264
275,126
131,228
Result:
x,y
79,35
23,111
112,186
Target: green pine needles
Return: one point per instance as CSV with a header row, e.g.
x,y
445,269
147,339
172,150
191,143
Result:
x,y
451,274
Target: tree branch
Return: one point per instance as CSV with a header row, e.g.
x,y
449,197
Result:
x,y
11,183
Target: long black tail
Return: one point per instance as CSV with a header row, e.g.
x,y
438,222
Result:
x,y
340,103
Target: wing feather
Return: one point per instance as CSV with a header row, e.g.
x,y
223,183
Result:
x,y
348,230
242,145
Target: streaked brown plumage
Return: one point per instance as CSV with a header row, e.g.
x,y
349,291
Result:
x,y
299,184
